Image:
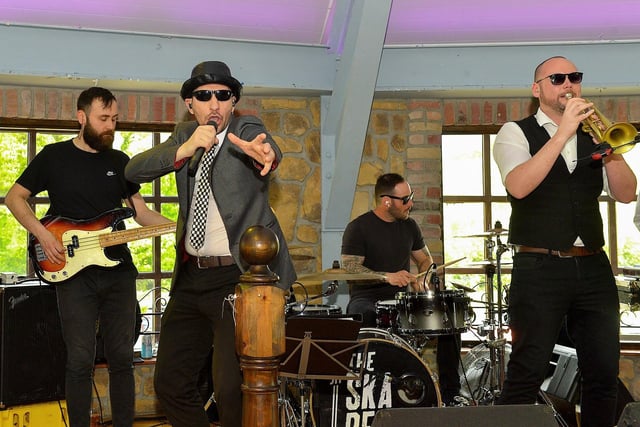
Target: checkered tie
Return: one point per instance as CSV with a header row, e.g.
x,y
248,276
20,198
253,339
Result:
x,y
201,203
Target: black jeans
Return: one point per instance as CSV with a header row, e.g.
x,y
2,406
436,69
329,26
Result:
x,y
196,318
543,290
110,297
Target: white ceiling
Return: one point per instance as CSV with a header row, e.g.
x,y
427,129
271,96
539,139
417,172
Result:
x,y
310,22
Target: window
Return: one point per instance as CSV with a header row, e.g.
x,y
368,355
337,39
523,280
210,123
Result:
x,y
475,204
153,257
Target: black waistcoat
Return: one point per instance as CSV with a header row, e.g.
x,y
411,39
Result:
x,y
564,205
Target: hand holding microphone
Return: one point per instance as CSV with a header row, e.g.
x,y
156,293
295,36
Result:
x,y
197,156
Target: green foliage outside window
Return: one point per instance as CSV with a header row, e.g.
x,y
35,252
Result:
x,y
13,239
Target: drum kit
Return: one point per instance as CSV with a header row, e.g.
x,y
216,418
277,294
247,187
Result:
x,y
386,366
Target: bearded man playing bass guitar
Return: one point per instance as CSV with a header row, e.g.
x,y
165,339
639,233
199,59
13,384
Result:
x,y
84,177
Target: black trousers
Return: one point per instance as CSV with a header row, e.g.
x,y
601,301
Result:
x,y
544,289
197,317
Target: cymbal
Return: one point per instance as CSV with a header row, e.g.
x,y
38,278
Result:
x,y
489,233
339,274
462,287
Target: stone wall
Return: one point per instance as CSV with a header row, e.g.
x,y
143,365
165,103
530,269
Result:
x,y
404,136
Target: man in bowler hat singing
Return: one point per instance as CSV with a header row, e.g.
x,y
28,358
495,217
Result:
x,y
226,160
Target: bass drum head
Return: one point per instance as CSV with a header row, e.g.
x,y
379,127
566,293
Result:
x,y
394,377
476,371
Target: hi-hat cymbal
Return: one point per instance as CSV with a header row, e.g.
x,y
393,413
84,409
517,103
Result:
x,y
338,274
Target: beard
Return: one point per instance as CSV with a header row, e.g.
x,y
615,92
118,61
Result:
x,y
99,142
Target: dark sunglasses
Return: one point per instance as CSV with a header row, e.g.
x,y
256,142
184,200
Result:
x,y
205,95
404,199
559,78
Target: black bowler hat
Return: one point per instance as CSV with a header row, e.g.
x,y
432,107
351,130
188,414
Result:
x,y
211,72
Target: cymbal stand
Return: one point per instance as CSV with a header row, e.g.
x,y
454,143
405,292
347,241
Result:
x,y
501,248
496,341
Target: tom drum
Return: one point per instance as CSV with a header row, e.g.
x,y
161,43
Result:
x,y
432,313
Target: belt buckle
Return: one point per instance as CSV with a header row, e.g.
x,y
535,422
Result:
x,y
564,256
199,265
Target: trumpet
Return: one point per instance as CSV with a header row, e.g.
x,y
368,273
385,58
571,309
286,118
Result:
x,y
620,136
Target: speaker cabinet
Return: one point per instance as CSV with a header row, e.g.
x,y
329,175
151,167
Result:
x,y
32,352
476,416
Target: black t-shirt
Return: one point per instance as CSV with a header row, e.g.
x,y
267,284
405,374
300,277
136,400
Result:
x,y
386,246
81,185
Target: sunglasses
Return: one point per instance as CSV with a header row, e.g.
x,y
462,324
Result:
x,y
559,78
404,199
205,95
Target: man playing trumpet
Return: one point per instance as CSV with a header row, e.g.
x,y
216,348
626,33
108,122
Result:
x,y
559,267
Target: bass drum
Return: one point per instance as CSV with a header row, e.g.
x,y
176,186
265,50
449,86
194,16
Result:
x,y
477,370
394,376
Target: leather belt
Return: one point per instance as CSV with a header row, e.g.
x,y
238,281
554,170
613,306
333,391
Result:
x,y
204,262
575,251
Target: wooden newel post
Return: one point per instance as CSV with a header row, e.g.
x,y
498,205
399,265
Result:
x,y
260,334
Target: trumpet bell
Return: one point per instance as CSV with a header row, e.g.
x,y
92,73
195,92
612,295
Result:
x,y
620,137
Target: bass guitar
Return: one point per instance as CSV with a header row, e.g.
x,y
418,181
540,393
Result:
x,y
85,241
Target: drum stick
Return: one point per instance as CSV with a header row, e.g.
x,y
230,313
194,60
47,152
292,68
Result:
x,y
446,264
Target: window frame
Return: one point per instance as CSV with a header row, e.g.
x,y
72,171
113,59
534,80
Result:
x,y
631,340
32,127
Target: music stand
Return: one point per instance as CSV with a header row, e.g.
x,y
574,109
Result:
x,y
321,348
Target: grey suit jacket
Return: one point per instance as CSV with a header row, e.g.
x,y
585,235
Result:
x,y
241,193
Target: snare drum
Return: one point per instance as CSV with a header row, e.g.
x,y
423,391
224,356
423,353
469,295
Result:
x,y
394,376
314,310
432,313
386,314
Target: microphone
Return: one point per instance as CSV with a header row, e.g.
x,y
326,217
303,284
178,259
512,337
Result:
x,y
603,150
435,280
197,156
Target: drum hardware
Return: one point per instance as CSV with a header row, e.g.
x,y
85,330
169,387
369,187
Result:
x,y
492,376
300,306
